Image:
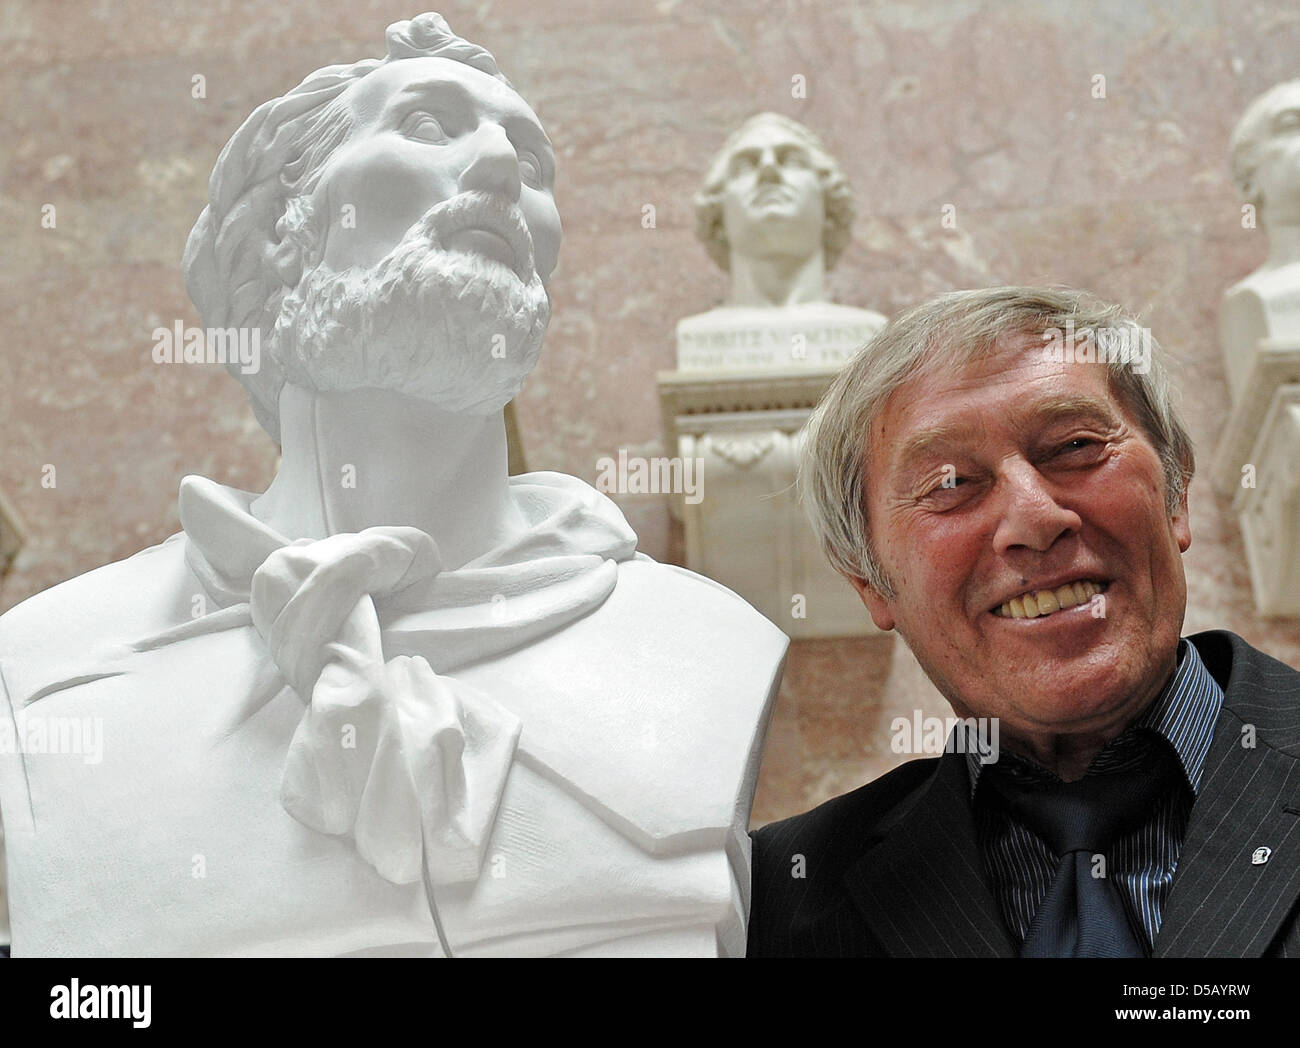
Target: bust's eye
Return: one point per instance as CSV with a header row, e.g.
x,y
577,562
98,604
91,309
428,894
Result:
x,y
742,162
1287,120
794,158
424,127
530,169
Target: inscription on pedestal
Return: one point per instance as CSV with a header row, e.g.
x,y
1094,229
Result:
x,y
779,342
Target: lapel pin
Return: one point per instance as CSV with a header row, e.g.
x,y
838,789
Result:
x,y
1260,856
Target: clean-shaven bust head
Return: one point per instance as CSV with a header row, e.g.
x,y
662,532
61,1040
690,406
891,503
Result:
x,y
387,225
1264,155
773,190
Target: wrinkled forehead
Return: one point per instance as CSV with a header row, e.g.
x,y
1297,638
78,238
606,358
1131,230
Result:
x,y
449,85
1010,380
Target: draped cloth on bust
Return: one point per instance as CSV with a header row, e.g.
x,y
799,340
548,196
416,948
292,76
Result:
x,y
391,751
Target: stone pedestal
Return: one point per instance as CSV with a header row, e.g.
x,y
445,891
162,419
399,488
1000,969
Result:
x,y
1259,312
1255,464
821,334
1272,365
1269,510
748,530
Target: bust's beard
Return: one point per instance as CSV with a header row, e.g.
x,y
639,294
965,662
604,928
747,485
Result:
x,y
451,328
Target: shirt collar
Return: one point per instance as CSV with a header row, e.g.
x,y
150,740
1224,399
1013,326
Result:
x,y
1184,714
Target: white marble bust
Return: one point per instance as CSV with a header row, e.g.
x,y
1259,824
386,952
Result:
x,y
399,703
1265,159
775,212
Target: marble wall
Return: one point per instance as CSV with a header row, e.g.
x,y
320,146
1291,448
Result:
x,y
989,107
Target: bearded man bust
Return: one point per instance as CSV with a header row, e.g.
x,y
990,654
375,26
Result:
x,y
400,703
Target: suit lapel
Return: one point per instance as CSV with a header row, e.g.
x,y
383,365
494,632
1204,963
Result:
x,y
1221,903
922,889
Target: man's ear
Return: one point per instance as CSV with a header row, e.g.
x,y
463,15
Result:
x,y
1181,522
881,614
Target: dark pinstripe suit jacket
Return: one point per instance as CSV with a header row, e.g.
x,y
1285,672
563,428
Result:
x,y
893,869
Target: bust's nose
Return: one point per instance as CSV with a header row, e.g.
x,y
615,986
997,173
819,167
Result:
x,y
492,165
768,169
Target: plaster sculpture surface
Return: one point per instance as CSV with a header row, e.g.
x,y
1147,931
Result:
x,y
1263,309
1260,338
774,212
1269,510
399,703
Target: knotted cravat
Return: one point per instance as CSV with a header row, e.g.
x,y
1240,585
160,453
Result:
x,y
1083,914
393,751
388,751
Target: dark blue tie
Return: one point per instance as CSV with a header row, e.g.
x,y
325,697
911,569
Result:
x,y
1083,914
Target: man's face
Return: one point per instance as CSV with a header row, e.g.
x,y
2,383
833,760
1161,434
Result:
x,y
1050,480
1277,156
440,230
772,203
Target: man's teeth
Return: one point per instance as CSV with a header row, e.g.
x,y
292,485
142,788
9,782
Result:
x,y
1045,601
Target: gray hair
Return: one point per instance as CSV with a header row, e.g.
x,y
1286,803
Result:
x,y
837,194
1246,137
257,197
950,331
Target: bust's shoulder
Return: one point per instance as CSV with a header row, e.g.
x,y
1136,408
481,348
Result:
x,y
671,680
664,608
1257,294
146,592
666,631
1265,282
1246,289
667,586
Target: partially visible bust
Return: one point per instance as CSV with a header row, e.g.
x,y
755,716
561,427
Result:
x,y
399,703
1264,155
775,212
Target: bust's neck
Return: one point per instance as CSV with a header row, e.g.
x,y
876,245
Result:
x,y
351,461
1283,244
777,280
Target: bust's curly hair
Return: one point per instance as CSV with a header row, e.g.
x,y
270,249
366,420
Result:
x,y
252,242
838,194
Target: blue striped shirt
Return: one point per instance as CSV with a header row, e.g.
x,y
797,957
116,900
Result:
x,y
1141,863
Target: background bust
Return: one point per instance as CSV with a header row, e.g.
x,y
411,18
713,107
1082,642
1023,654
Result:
x,y
775,212
1264,154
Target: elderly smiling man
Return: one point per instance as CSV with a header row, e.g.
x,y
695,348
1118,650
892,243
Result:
x,y
1019,516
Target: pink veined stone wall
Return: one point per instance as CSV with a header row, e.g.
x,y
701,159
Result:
x,y
987,107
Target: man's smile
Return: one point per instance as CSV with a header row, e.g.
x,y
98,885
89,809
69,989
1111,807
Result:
x,y
1044,601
